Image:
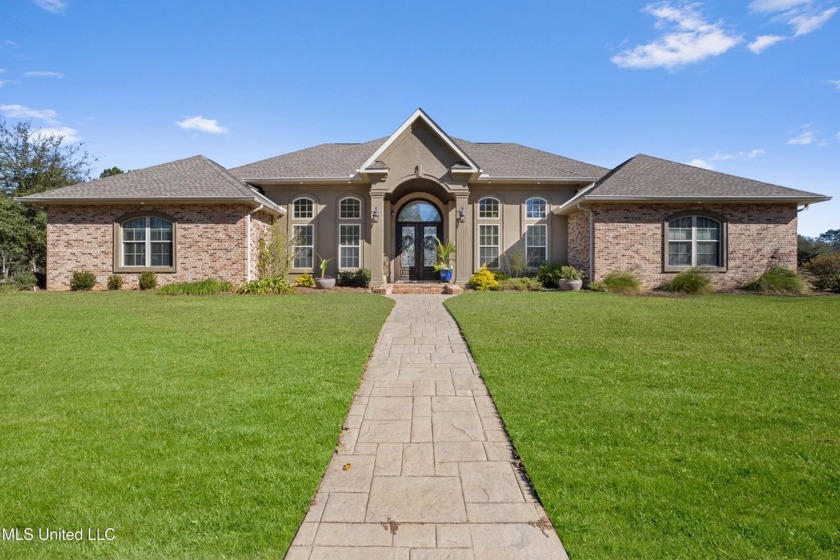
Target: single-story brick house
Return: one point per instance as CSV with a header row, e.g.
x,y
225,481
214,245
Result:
x,y
380,204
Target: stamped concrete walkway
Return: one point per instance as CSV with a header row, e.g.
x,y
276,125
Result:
x,y
424,469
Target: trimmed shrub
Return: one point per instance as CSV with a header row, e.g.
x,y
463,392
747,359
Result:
x,y
548,274
619,281
359,279
778,280
691,281
266,286
26,280
305,281
82,281
523,284
148,280
826,271
115,282
208,287
483,280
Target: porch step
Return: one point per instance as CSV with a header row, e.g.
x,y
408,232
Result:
x,y
418,288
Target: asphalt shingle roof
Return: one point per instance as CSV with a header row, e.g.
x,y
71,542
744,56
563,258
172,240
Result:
x,y
645,176
193,177
342,160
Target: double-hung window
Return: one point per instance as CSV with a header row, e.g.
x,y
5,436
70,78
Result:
x,y
536,232
303,233
145,241
349,233
694,241
488,245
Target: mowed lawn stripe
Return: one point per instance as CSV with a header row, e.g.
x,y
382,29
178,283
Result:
x,y
670,427
192,425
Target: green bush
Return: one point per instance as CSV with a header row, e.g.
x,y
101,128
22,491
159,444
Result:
x,y
483,280
115,282
359,279
305,281
619,281
82,280
148,280
25,280
548,274
207,287
523,284
691,281
266,286
778,280
826,271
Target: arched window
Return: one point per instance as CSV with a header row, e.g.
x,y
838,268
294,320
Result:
x,y
694,240
535,208
144,241
303,208
419,211
488,208
349,234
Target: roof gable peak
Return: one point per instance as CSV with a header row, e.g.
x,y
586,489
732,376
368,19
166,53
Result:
x,y
419,116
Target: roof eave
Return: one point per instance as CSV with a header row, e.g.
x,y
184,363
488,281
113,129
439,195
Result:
x,y
531,180
264,181
801,199
255,201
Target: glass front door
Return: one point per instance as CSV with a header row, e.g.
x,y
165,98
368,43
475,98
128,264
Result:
x,y
418,224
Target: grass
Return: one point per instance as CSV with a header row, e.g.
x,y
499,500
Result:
x,y
208,287
658,427
779,280
196,427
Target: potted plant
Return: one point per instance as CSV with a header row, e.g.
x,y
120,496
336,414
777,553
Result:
x,y
324,283
569,278
444,257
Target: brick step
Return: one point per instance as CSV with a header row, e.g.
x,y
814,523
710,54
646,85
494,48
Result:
x,y
418,288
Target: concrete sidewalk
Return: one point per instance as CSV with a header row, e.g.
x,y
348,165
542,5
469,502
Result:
x,y
424,469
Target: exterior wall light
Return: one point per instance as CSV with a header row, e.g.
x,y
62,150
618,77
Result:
x,y
375,216
462,216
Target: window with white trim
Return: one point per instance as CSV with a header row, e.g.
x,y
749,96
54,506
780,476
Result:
x,y
303,208
303,242
349,246
536,244
535,208
147,242
350,209
488,245
488,208
694,241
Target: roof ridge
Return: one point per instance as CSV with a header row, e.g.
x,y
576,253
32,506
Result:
x,y
233,181
506,152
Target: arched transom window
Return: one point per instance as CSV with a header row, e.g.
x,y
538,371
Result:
x,y
535,208
145,241
694,241
488,208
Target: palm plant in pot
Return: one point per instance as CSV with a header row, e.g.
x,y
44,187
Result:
x,y
569,278
444,257
324,283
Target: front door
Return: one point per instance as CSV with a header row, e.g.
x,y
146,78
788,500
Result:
x,y
418,224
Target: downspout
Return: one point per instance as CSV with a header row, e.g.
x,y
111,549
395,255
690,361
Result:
x,y
591,239
248,241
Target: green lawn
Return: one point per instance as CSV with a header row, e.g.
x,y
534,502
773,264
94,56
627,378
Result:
x,y
671,427
194,426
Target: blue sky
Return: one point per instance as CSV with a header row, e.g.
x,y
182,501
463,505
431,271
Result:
x,y
748,87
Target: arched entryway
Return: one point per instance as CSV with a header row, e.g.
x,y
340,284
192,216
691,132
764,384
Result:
x,y
419,222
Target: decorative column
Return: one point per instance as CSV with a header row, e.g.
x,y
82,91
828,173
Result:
x,y
378,220
463,238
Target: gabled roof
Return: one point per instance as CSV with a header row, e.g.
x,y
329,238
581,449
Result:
x,y
420,116
508,160
645,178
192,179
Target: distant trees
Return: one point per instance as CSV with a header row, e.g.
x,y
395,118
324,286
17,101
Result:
x,y
111,171
32,161
809,247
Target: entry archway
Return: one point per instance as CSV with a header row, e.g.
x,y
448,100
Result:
x,y
418,223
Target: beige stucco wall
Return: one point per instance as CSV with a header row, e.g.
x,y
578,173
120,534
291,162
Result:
x,y
629,237
210,242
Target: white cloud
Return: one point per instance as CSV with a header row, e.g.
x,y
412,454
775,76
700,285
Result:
x,y
23,112
807,22
43,74
706,163
69,135
763,42
201,124
689,39
52,6
2,70
701,163
807,137
776,5
835,83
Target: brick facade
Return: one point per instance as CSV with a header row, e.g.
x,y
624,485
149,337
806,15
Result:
x,y
579,240
211,242
629,237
